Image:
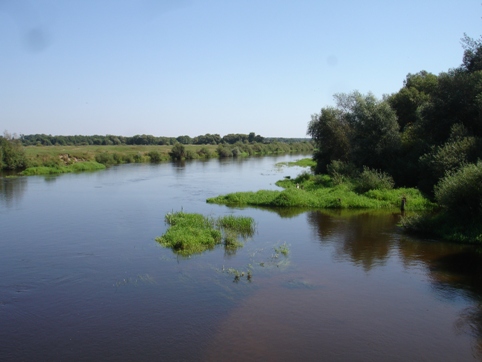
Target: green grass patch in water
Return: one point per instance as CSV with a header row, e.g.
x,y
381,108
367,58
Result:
x,y
76,167
304,162
191,233
310,192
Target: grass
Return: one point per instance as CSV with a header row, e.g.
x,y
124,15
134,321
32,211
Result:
x,y
304,162
54,170
307,192
241,225
41,155
48,160
191,233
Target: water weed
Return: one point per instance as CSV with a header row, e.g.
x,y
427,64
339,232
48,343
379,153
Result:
x,y
282,249
191,233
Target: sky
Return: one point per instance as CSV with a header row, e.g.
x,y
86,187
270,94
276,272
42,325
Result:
x,y
191,67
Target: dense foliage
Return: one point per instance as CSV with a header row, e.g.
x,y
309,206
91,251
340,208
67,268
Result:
x,y
12,155
109,140
427,135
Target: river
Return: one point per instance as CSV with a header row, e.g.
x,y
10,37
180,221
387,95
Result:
x,y
82,277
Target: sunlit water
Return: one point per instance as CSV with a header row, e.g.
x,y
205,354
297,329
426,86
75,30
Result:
x,y
82,277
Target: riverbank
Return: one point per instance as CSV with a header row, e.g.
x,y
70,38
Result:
x,y
54,170
320,192
60,159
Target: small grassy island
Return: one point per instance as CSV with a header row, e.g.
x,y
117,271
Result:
x,y
370,190
191,233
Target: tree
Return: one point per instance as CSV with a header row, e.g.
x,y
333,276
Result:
x,y
185,140
330,132
178,152
12,154
472,60
375,137
414,95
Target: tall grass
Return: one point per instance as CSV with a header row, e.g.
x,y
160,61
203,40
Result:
x,y
242,225
191,233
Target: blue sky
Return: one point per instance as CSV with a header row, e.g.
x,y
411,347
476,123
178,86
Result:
x,y
181,67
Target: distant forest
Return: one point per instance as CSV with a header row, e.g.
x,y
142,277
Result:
x,y
108,140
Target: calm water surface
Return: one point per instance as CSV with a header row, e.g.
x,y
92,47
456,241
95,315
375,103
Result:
x,y
82,277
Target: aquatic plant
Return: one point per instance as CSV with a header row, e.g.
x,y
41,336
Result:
x,y
191,233
242,225
282,249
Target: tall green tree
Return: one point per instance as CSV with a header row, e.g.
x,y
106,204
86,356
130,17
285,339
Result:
x,y
331,133
12,154
361,129
375,137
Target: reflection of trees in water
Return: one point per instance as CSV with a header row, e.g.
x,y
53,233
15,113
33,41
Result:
x,y
470,321
367,239
283,212
364,238
454,270
461,272
12,190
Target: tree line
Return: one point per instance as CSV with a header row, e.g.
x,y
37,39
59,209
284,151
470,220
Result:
x,y
426,135
431,126
109,140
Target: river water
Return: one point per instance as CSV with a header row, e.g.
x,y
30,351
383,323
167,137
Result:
x,y
83,279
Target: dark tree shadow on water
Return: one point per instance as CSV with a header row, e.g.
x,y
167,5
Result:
x,y
12,190
369,239
361,237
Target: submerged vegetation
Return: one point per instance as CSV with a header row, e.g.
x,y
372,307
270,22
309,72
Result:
x,y
191,233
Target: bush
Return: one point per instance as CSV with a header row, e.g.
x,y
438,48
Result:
x,y
138,157
302,177
155,156
204,152
373,180
105,158
346,169
190,155
460,192
12,154
178,152
224,151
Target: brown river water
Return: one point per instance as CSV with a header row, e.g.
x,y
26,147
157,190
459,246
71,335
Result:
x,y
82,278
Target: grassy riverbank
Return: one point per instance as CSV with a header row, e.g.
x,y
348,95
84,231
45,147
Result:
x,y
53,170
51,156
323,192
60,159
